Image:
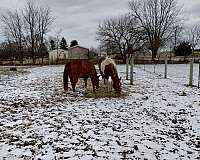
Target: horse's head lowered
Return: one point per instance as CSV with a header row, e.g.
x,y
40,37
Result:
x,y
117,85
108,69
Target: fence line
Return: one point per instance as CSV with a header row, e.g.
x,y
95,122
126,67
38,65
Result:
x,y
199,76
165,73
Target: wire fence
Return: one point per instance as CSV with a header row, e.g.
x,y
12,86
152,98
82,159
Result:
x,y
185,74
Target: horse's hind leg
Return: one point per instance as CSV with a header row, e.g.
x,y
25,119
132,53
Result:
x,y
74,80
73,86
85,80
93,84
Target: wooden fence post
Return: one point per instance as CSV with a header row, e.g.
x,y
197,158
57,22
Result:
x,y
199,76
131,70
165,76
191,74
127,67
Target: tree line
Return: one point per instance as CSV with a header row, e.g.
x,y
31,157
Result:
x,y
62,45
25,31
149,25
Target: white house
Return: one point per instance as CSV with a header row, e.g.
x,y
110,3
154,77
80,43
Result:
x,y
57,54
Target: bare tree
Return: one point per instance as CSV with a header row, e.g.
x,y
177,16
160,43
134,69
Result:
x,y
194,36
58,33
108,33
13,29
132,33
122,32
31,14
8,50
176,38
37,23
57,38
158,18
45,19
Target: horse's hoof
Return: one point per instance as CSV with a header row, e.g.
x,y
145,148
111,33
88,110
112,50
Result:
x,y
75,94
65,91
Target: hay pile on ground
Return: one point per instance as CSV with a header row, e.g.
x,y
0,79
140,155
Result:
x,y
102,92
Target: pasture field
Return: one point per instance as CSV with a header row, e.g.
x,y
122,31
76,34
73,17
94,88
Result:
x,y
156,119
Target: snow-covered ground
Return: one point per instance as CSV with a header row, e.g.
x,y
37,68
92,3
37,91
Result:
x,y
160,119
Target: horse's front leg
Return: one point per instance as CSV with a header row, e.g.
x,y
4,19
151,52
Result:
x,y
85,79
73,83
105,80
73,88
93,85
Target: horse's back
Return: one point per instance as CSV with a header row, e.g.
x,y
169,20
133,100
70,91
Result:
x,y
106,62
82,67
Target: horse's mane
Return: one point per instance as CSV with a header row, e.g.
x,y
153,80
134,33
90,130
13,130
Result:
x,y
106,62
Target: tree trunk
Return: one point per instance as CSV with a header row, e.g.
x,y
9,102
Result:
x,y
124,56
33,58
21,53
124,59
122,53
21,57
42,59
154,53
33,55
33,48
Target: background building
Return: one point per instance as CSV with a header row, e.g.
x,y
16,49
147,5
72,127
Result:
x,y
61,55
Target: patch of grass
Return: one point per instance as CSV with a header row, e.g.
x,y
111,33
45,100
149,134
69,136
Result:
x,y
13,72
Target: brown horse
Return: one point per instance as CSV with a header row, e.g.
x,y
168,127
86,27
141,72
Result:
x,y
108,69
80,69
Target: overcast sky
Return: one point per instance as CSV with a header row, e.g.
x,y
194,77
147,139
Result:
x,y
78,19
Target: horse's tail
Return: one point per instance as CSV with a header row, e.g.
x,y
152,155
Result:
x,y
65,76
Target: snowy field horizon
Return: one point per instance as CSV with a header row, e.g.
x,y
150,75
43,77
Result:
x,y
159,119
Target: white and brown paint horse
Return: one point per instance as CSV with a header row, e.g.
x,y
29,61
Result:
x,y
108,69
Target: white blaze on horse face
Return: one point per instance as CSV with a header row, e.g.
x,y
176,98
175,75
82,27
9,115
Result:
x,y
106,62
109,84
100,78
